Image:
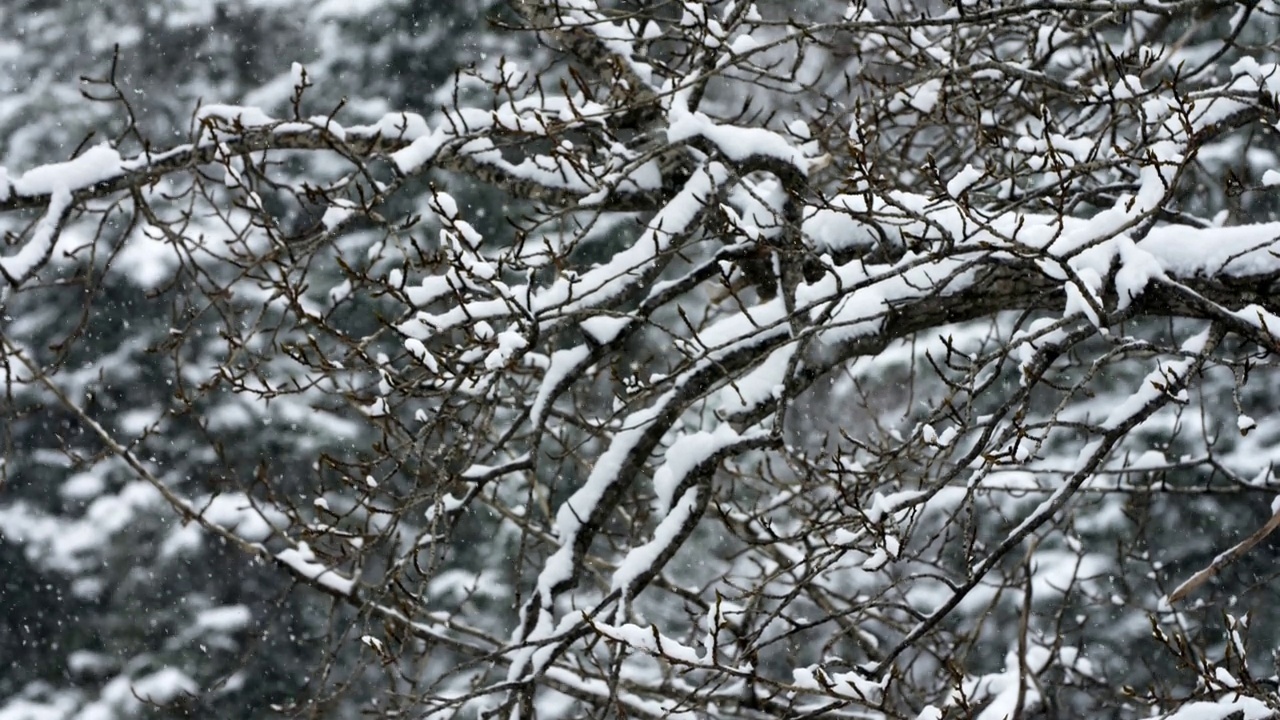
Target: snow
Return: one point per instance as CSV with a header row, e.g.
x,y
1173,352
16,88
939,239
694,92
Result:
x,y
445,505
1239,251
1092,248
1157,384
1000,691
407,125
303,561
147,258
510,343
740,45
345,9
617,38
337,213
963,180
480,471
445,205
922,97
135,422
419,152
573,293
1130,86
762,384
564,364
298,75
735,143
83,486
686,453
580,506
86,661
1249,708
1084,296
125,697
40,245
424,356
1151,459
649,640
225,619
98,163
637,705
253,521
1173,251
457,584
603,328
583,504
850,685
164,686
644,558
1137,269
182,540
72,545
930,713
1091,256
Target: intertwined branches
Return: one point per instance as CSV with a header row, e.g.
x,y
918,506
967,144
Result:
x,y
782,374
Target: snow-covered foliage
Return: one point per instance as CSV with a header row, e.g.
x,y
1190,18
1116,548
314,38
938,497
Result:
x,y
880,361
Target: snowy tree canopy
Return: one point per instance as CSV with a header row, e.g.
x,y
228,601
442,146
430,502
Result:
x,y
821,362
